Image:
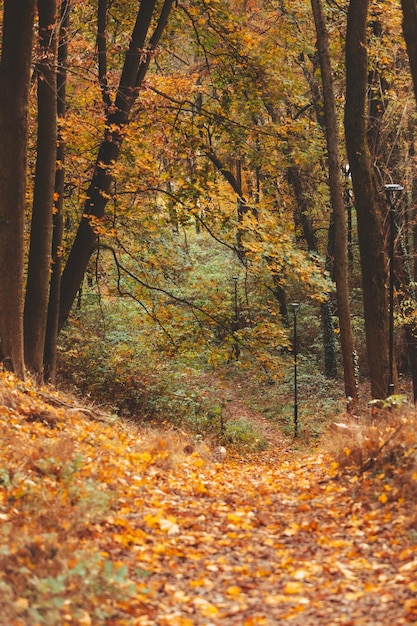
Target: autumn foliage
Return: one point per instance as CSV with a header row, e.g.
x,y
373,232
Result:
x,y
104,522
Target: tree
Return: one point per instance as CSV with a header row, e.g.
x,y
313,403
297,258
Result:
x,y
409,8
51,333
340,262
39,262
137,60
367,199
16,56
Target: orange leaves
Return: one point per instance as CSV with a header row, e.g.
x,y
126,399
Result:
x,y
206,608
103,522
166,525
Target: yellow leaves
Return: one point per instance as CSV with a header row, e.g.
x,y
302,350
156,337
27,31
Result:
x,y
239,519
267,541
201,582
206,608
233,591
167,525
84,619
145,458
175,620
292,529
21,604
293,587
383,497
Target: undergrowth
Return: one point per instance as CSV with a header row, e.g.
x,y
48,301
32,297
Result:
x,y
382,442
61,470
116,370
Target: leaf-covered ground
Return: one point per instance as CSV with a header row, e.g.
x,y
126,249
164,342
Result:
x,y
105,523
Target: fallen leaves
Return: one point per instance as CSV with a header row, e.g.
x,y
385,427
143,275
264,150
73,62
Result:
x,y
103,524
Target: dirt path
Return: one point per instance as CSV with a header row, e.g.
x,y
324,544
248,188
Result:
x,y
233,397
108,524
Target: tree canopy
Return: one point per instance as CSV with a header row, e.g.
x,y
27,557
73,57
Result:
x,y
178,158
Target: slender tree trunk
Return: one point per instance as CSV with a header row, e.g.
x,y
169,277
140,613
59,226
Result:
x,y
16,56
367,200
136,64
409,8
302,220
39,262
407,298
50,352
340,260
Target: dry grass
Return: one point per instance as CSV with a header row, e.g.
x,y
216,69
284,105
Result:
x,y
383,440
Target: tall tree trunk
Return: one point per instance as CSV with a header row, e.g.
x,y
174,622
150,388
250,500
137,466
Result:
x,y
367,201
136,64
409,8
340,260
50,352
16,56
39,262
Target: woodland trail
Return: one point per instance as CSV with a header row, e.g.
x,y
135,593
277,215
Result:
x,y
105,523
232,397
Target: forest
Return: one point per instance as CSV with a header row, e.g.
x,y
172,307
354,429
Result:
x,y
208,266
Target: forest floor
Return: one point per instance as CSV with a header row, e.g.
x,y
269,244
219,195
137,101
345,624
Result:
x,y
107,522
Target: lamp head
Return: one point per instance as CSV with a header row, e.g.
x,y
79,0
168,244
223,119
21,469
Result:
x,y
392,190
346,169
295,306
393,187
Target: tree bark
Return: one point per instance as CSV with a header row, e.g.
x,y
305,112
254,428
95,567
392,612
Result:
x,y
50,352
136,64
340,260
367,201
409,8
16,57
39,262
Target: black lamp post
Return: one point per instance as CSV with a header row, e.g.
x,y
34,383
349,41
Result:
x,y
295,308
236,312
235,324
391,191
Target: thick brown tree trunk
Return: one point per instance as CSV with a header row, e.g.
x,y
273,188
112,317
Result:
x,y
340,260
409,8
16,56
50,352
137,61
367,200
39,262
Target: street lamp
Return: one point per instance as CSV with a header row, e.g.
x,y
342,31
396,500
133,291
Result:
x,y
235,324
295,308
391,192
